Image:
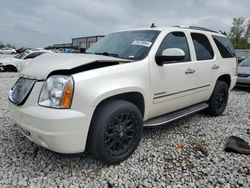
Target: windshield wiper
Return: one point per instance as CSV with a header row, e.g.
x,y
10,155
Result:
x,y
107,54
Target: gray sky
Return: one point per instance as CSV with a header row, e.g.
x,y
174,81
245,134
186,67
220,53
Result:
x,y
39,23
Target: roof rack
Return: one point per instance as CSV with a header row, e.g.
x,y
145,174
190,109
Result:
x,y
197,28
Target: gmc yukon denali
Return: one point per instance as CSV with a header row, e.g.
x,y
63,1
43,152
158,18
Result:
x,y
99,101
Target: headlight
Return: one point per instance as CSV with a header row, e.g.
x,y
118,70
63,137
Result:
x,y
57,92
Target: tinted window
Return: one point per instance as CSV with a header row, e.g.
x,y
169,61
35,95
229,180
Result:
x,y
202,46
33,55
133,45
225,47
175,40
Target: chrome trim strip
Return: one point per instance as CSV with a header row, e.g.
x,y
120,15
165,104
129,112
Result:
x,y
181,91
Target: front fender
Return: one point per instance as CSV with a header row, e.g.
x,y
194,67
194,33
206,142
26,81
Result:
x,y
92,87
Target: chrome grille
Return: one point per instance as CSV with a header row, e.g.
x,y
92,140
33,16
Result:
x,y
21,90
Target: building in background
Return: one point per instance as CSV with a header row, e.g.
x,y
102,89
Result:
x,y
58,46
83,43
79,44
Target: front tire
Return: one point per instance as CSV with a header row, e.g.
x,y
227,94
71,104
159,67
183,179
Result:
x,y
218,100
115,131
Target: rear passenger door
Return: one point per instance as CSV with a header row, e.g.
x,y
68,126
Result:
x,y
207,68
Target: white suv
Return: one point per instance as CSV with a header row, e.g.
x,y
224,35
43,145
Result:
x,y
101,100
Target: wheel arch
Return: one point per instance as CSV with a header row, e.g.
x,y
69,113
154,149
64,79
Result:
x,y
134,97
13,67
225,78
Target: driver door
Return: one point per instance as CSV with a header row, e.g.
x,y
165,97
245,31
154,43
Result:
x,y
173,83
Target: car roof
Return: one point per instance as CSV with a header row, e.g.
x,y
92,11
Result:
x,y
179,28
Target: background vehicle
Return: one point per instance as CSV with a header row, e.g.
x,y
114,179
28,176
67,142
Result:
x,y
241,58
20,50
244,73
17,63
101,100
7,51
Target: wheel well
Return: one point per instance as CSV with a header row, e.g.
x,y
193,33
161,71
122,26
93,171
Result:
x,y
11,67
226,78
134,97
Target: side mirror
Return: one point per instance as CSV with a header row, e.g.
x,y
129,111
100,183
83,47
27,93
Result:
x,y
170,55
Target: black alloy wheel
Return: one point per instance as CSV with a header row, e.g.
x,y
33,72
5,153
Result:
x,y
218,100
221,98
115,131
120,134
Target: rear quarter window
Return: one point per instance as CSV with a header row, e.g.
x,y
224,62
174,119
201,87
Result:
x,y
224,46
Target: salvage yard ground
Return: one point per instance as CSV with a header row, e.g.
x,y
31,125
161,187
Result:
x,y
198,161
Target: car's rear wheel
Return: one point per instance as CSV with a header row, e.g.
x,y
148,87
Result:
x,y
218,100
115,131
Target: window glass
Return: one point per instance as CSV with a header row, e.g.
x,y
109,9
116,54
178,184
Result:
x,y
33,55
245,62
175,40
225,46
202,46
133,45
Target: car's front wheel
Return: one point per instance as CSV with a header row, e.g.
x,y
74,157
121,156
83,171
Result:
x,y
218,100
115,131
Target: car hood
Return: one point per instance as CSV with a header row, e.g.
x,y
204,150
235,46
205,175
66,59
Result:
x,y
10,61
40,67
243,70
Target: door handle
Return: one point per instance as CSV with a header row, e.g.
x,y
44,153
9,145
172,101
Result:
x,y
189,71
215,66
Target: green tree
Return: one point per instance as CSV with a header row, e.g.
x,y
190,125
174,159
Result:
x,y
10,46
1,45
240,33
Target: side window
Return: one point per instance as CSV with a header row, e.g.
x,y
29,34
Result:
x,y
175,40
202,46
33,55
225,46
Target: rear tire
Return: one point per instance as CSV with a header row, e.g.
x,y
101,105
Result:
x,y
115,131
218,100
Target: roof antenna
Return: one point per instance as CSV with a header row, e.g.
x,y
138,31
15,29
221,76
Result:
x,y
152,25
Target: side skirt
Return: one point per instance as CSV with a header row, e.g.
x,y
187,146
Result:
x,y
167,118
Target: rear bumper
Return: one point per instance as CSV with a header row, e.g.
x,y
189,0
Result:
x,y
233,82
62,131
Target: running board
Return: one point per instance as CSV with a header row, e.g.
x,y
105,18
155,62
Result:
x,y
167,118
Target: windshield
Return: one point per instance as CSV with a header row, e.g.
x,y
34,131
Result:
x,y
245,62
22,55
133,45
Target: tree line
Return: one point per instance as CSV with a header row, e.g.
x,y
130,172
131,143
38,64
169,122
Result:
x,y
240,33
6,45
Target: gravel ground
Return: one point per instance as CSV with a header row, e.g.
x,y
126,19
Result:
x,y
198,161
